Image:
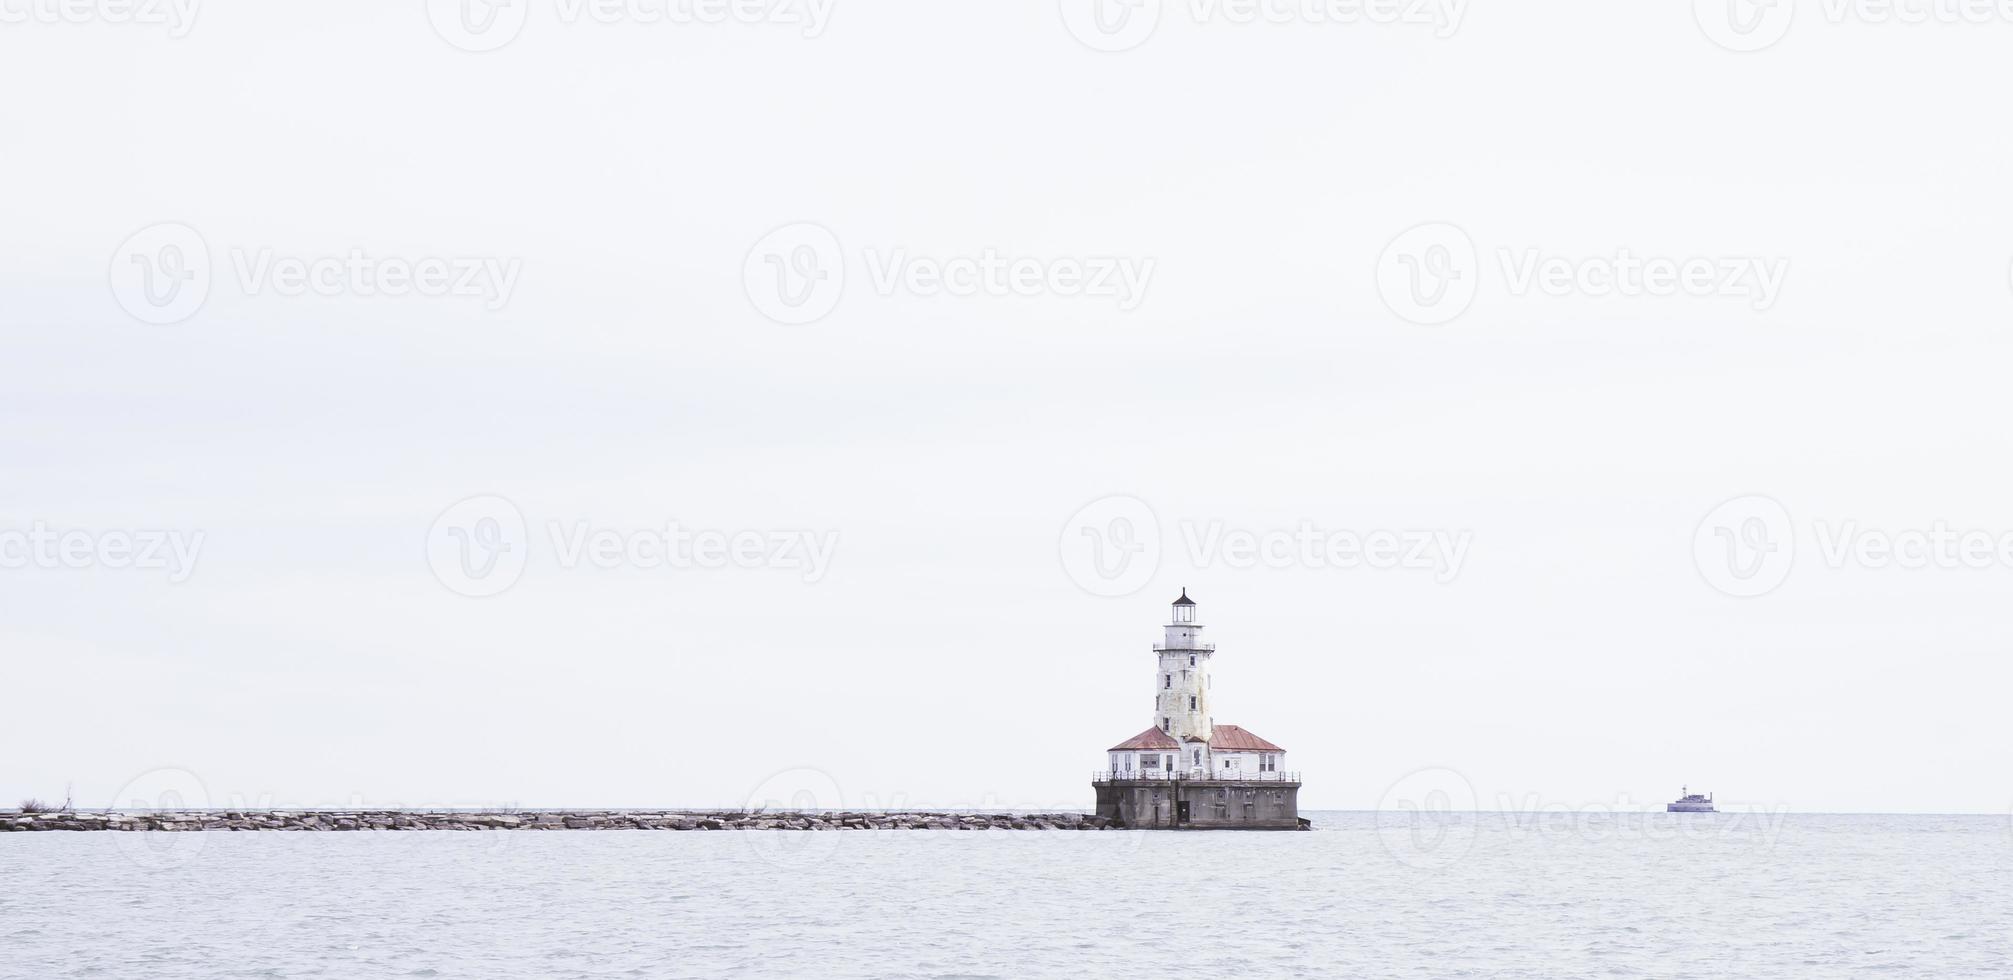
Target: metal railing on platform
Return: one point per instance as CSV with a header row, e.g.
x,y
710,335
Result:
x,y
1233,775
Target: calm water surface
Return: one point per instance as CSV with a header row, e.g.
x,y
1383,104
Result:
x,y
1681,895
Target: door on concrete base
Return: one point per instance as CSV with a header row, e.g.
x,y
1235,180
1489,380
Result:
x,y
1181,812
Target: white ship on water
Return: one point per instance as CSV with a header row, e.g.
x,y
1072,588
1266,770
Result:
x,y
1691,802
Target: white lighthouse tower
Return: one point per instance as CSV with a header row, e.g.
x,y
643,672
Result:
x,y
1181,706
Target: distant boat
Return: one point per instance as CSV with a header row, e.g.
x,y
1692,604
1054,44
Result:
x,y
1692,803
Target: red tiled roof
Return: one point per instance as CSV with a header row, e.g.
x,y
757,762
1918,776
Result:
x,y
1152,738
1230,738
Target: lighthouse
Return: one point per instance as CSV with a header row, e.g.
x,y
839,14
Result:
x,y
1186,771
1182,703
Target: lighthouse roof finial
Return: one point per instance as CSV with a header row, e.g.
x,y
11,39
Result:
x,y
1184,600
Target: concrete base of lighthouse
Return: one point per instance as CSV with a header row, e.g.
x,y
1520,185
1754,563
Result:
x,y
1201,803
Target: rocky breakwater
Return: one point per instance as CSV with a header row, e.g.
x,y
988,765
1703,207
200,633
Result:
x,y
331,820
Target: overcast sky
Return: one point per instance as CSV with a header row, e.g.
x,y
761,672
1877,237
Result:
x,y
908,310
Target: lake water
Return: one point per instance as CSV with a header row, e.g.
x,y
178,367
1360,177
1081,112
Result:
x,y
1666,895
